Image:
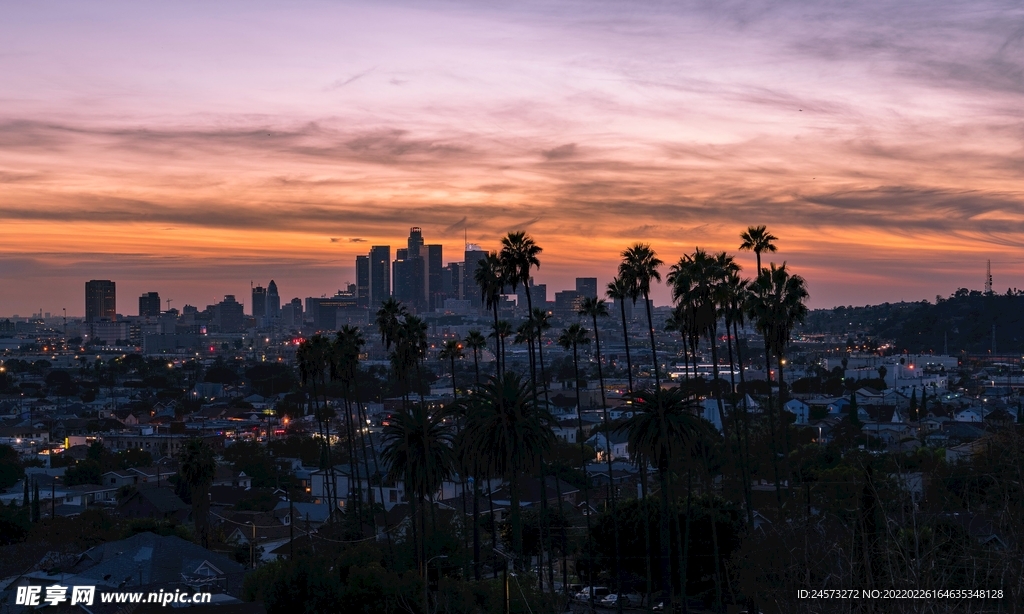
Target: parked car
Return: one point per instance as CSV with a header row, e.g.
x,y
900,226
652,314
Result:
x,y
599,593
627,600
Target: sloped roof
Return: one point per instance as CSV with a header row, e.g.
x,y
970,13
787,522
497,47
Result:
x,y
147,558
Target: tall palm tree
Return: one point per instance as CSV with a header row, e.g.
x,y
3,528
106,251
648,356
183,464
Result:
x,y
595,308
489,277
351,343
518,257
778,303
451,351
476,342
757,239
389,318
197,470
344,363
572,338
735,292
417,448
507,432
640,266
620,289
314,358
502,330
663,426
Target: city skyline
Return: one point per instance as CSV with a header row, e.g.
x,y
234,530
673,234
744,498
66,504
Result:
x,y
191,149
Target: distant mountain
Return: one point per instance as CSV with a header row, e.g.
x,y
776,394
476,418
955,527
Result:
x,y
965,319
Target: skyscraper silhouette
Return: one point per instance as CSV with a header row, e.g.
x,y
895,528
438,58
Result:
x,y
100,300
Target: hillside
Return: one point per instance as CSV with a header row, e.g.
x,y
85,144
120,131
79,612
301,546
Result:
x,y
964,321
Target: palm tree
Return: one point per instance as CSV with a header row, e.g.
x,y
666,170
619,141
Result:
x,y
572,338
595,308
451,351
735,292
777,303
502,330
350,341
619,289
507,432
758,239
314,357
476,342
344,362
489,278
664,424
417,448
197,470
389,318
639,266
518,257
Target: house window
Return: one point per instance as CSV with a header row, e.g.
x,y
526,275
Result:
x,y
393,497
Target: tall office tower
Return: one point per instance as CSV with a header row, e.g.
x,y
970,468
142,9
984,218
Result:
x,y
470,291
586,287
402,278
415,242
380,275
259,303
433,289
291,314
538,296
229,315
363,281
149,304
273,301
451,280
100,300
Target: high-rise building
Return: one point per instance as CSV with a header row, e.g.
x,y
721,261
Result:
x,y
538,296
415,242
451,280
434,286
291,313
363,281
273,301
380,275
407,278
100,300
259,303
586,287
149,305
229,315
470,291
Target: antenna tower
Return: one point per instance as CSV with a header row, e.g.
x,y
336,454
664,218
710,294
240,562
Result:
x,y
988,277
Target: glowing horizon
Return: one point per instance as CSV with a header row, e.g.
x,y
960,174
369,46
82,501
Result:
x,y
189,149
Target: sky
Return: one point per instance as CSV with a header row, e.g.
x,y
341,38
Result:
x,y
191,148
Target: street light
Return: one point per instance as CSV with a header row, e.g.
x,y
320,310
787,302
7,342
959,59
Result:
x,y
426,579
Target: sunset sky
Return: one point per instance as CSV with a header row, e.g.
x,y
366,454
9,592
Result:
x,y
190,147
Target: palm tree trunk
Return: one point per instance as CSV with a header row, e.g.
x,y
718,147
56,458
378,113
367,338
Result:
x,y
476,366
748,489
736,425
586,478
771,424
713,340
625,338
497,345
654,348
647,531
494,531
611,476
665,538
476,527
686,535
547,405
